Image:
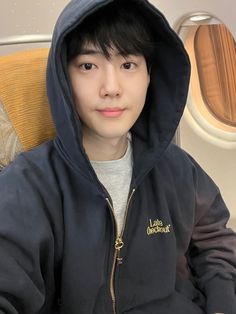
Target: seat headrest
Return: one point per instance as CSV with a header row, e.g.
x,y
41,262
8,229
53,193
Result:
x,y
24,112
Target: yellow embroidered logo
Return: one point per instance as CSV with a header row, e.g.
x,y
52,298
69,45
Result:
x,y
157,226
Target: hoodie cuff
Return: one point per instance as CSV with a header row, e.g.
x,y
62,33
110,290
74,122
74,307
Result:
x,y
220,295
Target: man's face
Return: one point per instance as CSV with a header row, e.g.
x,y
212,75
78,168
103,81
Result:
x,y
109,94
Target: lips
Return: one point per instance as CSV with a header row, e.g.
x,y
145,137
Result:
x,y
111,112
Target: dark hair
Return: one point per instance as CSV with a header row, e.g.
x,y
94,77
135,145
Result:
x,y
118,25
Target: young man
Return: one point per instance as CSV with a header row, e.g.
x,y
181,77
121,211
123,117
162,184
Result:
x,y
111,217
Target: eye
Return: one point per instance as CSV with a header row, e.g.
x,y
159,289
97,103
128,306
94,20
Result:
x,y
87,66
129,66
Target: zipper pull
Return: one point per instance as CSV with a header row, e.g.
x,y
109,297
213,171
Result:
x,y
118,246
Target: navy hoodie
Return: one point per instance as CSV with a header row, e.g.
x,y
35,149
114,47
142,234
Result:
x,y
59,247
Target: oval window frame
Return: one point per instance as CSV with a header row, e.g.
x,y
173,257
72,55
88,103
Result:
x,y
196,111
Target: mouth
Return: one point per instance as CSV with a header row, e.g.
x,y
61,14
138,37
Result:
x,y
111,112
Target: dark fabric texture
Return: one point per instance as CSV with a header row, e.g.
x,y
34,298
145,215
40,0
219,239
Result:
x,y
57,232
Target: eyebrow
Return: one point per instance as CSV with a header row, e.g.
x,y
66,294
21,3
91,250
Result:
x,y
90,51
94,51
85,51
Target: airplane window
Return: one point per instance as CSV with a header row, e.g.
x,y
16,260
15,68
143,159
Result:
x,y
208,128
215,52
212,93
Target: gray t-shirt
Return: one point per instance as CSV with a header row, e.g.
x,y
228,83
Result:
x,y
116,175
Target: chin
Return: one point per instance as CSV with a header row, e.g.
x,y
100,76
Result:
x,y
109,135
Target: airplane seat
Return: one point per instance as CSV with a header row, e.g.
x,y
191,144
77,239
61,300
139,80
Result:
x,y
25,118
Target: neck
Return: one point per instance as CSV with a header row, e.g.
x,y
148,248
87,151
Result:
x,y
100,149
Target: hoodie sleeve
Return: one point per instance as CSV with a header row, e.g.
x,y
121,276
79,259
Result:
x,y
26,244
212,251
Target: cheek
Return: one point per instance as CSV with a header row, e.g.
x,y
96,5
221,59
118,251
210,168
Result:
x,y
141,96
141,87
141,83
82,95
78,90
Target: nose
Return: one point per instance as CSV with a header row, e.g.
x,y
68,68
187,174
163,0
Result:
x,y
110,84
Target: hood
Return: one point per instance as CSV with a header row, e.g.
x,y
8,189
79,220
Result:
x,y
166,97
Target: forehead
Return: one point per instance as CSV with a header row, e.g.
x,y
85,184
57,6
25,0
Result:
x,y
89,48
90,51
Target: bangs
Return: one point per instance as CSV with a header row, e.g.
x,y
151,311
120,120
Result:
x,y
114,27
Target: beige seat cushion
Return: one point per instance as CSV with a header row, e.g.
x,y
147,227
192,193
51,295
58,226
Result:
x,y
25,118
10,144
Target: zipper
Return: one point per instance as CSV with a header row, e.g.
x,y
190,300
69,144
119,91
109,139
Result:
x,y
117,259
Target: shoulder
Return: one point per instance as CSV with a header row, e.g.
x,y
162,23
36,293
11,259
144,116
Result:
x,y
30,207
36,157
183,166
176,157
30,168
29,188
